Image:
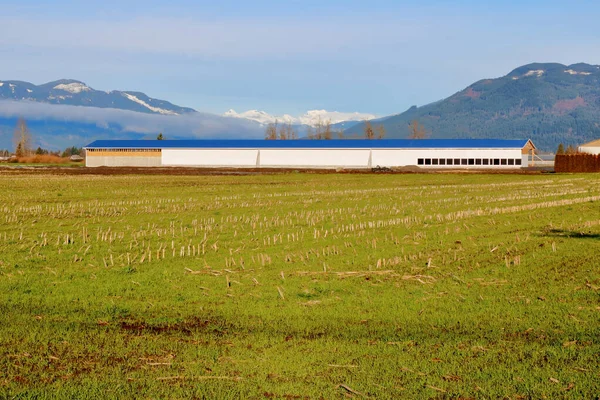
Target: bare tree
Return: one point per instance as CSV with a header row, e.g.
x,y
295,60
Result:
x,y
417,131
340,133
22,139
282,132
271,131
286,132
291,133
319,130
327,132
369,131
380,131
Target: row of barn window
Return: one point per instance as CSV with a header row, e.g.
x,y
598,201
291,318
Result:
x,y
469,161
125,150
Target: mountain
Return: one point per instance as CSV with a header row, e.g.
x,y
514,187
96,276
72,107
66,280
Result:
x,y
76,93
55,127
310,118
69,113
548,102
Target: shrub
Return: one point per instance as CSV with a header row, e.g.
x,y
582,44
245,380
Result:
x,y
580,162
43,159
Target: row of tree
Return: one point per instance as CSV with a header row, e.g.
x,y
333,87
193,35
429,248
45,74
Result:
x,y
569,150
276,131
323,131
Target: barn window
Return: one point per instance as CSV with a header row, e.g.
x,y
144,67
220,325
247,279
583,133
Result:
x,y
478,161
496,161
442,161
449,161
420,161
517,161
457,161
503,161
463,161
486,161
434,161
428,161
511,161
471,161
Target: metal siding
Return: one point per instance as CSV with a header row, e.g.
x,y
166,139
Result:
x,y
314,158
122,161
405,157
209,157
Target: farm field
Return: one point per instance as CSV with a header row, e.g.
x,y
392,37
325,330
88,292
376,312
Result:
x,y
300,286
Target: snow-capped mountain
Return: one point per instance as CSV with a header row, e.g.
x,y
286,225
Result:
x,y
310,118
76,93
69,112
261,117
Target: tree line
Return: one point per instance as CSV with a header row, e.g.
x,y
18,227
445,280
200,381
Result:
x,y
569,150
23,145
320,131
323,131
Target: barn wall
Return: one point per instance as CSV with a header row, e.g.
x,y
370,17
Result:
x,y
404,157
301,158
210,157
314,158
590,149
122,158
122,161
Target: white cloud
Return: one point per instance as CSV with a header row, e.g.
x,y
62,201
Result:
x,y
198,125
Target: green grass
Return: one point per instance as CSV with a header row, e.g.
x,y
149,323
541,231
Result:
x,y
300,286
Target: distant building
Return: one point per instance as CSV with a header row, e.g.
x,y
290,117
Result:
x,y
76,158
591,147
424,153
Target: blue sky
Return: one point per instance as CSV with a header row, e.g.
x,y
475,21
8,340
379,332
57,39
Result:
x,y
378,57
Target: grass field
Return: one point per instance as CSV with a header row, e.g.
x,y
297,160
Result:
x,y
300,286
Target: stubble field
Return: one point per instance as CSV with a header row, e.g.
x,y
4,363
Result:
x,y
300,286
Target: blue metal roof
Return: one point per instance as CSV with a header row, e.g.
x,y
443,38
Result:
x,y
311,144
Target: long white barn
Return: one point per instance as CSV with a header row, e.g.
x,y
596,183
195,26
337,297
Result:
x,y
425,153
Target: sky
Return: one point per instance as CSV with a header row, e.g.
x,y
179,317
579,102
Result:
x,y
287,57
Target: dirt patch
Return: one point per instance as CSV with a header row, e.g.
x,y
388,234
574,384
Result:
x,y
191,171
472,93
563,106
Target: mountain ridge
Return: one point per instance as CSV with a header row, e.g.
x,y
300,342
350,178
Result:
x,y
550,103
77,93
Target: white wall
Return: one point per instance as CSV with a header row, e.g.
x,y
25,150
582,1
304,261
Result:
x,y
210,157
404,157
589,150
310,158
314,158
328,158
